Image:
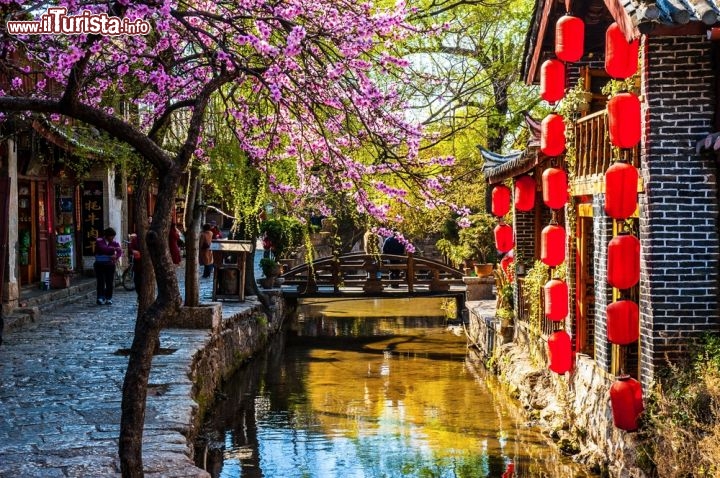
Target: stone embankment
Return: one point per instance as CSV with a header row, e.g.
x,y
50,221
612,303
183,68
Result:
x,y
572,410
61,379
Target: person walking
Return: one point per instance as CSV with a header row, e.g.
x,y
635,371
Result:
x,y
107,253
392,245
206,258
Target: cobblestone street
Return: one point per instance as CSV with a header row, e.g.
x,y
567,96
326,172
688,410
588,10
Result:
x,y
60,391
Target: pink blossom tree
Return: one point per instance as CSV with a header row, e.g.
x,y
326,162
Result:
x,y
310,83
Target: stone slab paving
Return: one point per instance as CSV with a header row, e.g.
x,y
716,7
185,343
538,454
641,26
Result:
x,y
60,390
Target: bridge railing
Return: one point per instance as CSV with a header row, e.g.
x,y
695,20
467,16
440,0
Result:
x,y
372,273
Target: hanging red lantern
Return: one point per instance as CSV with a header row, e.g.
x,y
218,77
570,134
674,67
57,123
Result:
x,y
555,292
559,352
623,322
552,81
621,56
525,193
505,264
552,135
503,238
569,38
621,195
552,245
554,188
626,401
623,261
624,124
500,200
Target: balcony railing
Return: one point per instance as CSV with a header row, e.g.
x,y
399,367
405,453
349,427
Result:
x,y
594,153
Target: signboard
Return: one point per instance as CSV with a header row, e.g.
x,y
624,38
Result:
x,y
231,246
91,213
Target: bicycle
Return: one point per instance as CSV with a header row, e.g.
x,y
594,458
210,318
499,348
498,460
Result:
x,y
126,278
128,275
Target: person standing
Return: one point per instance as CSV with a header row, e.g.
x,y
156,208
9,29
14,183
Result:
x,y
107,253
392,245
135,255
206,258
174,244
216,232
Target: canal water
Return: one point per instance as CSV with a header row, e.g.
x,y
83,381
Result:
x,y
371,388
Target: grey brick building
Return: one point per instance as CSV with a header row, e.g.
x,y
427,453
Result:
x,y
677,216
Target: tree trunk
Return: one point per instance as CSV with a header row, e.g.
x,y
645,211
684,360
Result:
x,y
147,328
193,215
146,289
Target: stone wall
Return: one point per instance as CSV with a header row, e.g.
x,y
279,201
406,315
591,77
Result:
x,y
572,410
233,341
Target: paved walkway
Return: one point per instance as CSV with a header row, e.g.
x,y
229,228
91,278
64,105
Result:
x,y
60,390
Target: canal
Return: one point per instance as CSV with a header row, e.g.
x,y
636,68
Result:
x,y
371,388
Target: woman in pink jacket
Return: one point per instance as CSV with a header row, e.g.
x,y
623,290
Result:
x,y
107,253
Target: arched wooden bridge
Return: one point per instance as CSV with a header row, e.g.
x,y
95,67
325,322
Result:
x,y
383,275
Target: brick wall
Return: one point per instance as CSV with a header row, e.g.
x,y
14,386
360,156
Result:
x,y
679,212
602,234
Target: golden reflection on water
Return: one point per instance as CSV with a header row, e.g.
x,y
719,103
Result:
x,y
376,388
411,382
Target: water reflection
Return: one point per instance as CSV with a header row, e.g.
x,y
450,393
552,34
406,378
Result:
x,y
370,397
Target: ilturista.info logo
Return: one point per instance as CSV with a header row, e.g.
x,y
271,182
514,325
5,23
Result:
x,y
56,21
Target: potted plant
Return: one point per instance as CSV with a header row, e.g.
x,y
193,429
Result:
x,y
479,238
283,233
271,270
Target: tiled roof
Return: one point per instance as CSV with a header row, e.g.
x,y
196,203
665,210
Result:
x,y
673,12
499,167
521,162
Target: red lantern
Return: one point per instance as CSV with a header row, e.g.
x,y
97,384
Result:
x,y
556,299
500,200
505,264
626,401
621,56
621,181
525,193
624,123
569,38
552,135
552,81
503,238
623,261
559,352
623,322
554,188
552,245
